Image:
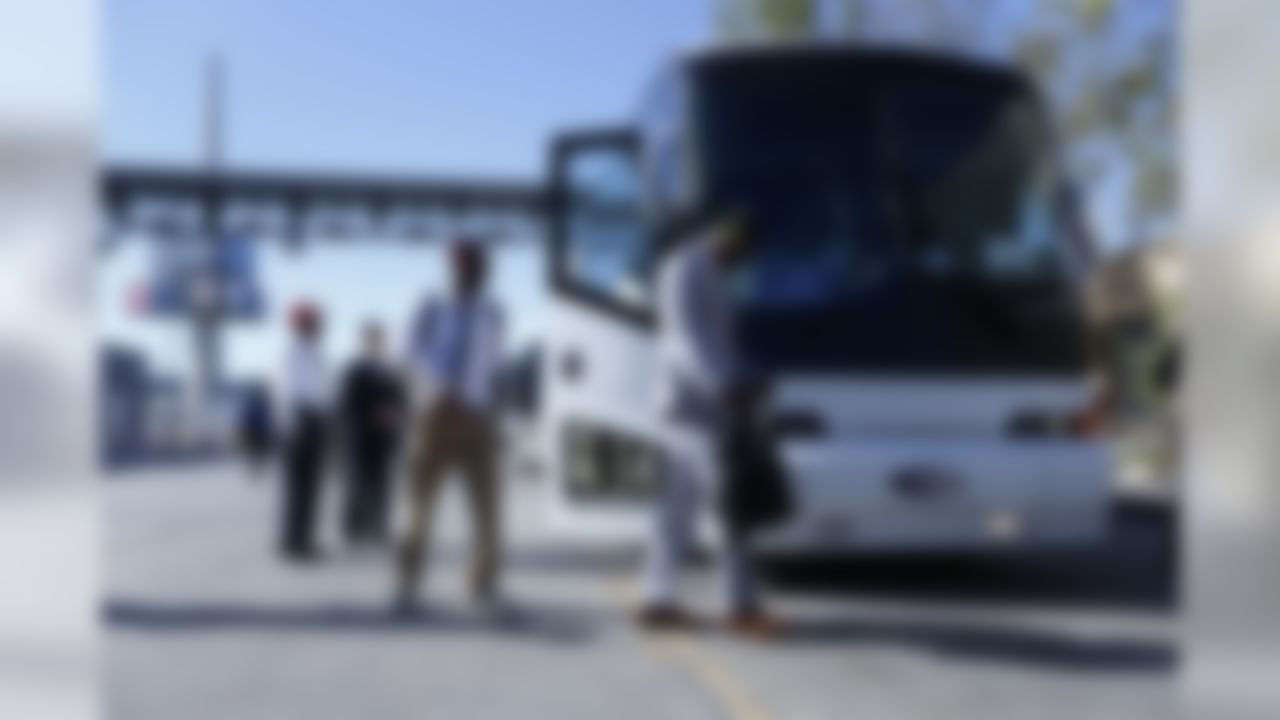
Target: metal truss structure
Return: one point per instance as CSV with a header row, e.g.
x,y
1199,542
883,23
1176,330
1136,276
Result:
x,y
303,207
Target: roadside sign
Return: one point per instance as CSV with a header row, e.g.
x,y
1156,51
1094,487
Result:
x,y
193,276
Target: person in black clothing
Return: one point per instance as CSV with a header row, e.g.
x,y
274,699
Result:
x,y
371,412
257,428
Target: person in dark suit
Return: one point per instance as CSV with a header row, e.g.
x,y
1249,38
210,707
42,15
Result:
x,y
372,408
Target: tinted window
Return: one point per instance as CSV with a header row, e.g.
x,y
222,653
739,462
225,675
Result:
x,y
977,182
906,218
665,157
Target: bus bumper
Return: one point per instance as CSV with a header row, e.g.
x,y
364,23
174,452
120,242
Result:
x,y
935,496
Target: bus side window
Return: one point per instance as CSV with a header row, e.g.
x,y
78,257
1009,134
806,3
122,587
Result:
x,y
605,235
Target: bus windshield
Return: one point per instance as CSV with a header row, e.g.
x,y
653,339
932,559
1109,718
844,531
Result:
x,y
906,219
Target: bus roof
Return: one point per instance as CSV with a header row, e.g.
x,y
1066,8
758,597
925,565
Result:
x,y
891,58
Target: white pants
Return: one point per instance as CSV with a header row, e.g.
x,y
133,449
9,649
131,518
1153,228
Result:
x,y
692,478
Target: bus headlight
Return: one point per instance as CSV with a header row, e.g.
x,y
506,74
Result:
x,y
1089,421
1004,525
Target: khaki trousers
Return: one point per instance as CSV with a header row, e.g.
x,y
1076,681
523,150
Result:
x,y
450,436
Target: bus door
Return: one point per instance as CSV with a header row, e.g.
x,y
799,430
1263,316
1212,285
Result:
x,y
599,355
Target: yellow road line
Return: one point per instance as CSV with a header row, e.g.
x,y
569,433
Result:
x,y
714,678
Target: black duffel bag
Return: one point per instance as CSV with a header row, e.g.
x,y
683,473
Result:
x,y
757,492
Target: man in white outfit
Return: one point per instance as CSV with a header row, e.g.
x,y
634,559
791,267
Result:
x,y
307,402
703,382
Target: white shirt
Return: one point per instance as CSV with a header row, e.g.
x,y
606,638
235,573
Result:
x,y
697,354
306,381
455,346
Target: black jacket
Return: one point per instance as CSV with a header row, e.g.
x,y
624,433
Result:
x,y
370,392
757,492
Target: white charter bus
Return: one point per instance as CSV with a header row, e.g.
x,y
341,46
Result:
x,y
915,294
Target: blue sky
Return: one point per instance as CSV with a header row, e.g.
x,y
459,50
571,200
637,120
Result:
x,y
469,86
458,87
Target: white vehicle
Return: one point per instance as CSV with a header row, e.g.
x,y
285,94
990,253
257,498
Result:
x,y
916,294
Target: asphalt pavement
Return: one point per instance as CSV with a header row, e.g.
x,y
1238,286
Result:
x,y
205,622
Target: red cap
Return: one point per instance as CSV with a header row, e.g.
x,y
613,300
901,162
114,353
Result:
x,y
304,314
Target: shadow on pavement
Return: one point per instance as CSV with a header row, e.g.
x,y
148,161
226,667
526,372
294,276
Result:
x,y
554,558
561,625
1003,644
1136,569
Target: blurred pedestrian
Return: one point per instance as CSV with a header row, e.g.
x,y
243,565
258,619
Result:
x,y
372,413
455,346
306,401
257,428
704,389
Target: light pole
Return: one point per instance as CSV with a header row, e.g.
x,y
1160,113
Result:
x,y
205,292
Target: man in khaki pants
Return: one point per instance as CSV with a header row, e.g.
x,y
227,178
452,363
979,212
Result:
x,y
455,344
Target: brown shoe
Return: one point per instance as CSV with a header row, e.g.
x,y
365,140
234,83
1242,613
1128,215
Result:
x,y
753,624
665,618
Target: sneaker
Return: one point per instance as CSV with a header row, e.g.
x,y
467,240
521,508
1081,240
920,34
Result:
x,y
753,624
665,617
